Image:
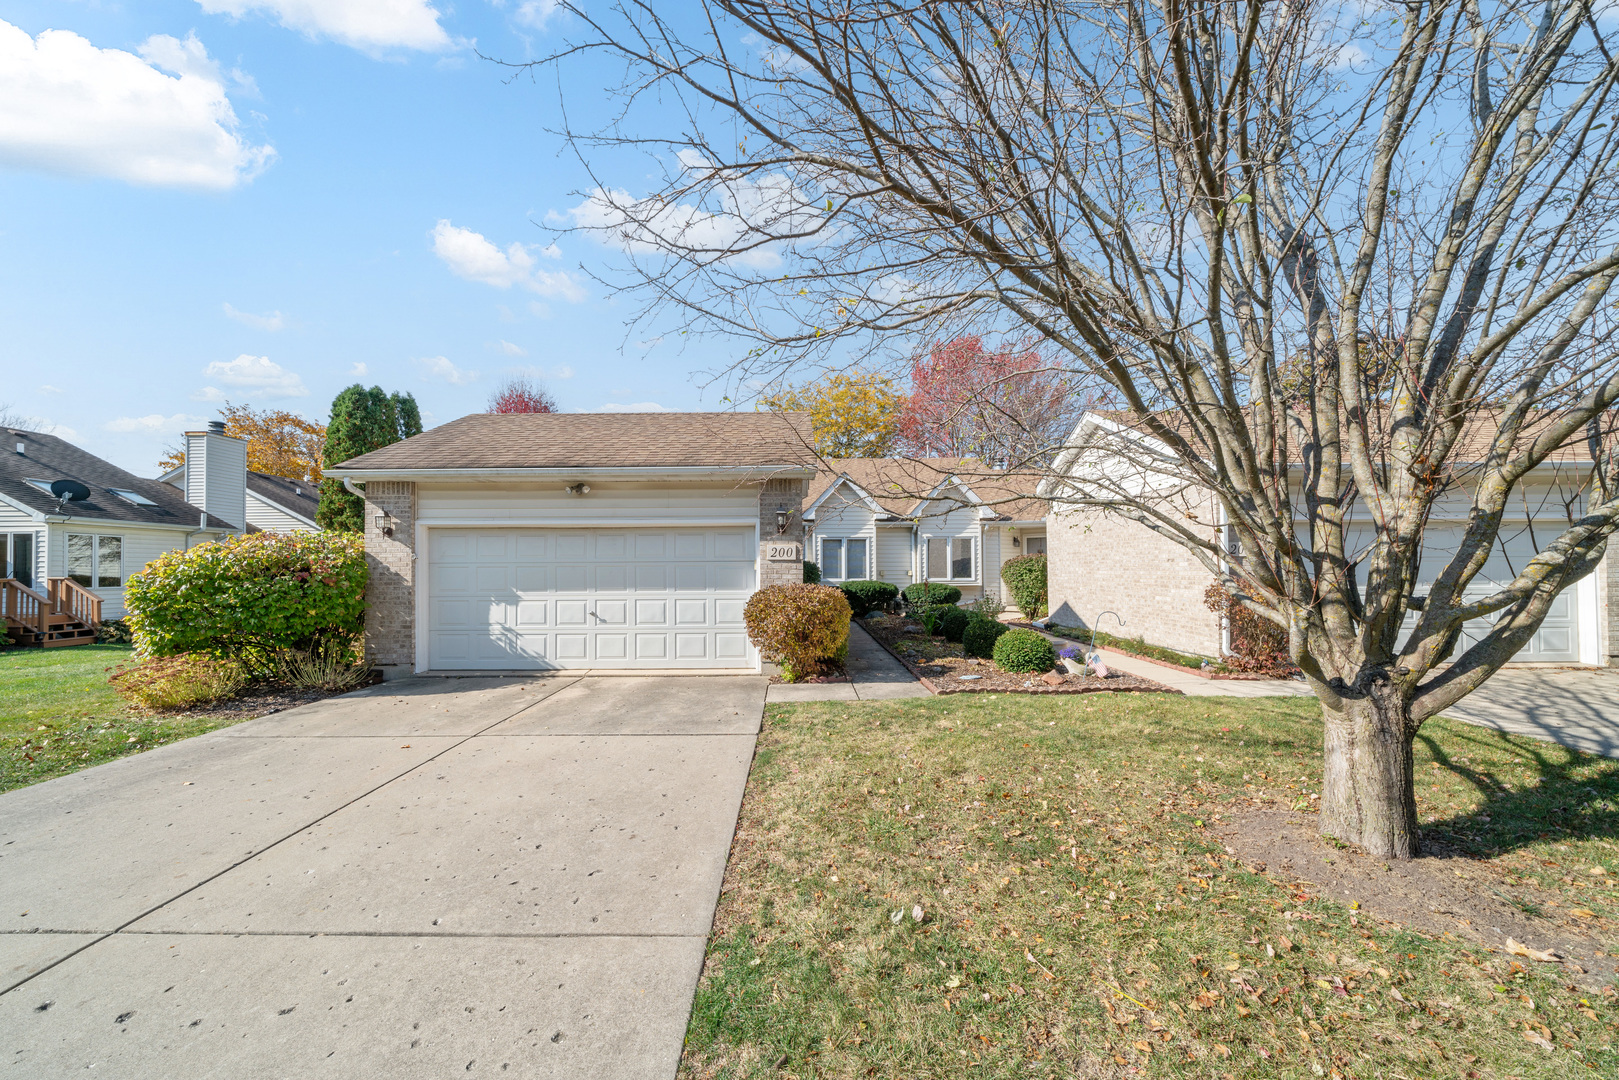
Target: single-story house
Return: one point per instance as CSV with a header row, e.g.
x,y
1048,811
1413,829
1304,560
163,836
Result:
x,y
76,553
1101,561
579,540
272,503
905,520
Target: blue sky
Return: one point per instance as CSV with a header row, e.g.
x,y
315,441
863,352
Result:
x,y
268,200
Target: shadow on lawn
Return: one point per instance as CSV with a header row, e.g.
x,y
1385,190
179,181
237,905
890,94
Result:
x,y
1574,797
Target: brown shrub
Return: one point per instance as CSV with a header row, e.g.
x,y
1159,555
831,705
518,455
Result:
x,y
804,628
1258,646
179,681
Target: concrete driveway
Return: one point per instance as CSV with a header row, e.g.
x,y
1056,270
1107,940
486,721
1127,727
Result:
x,y
477,877
1577,707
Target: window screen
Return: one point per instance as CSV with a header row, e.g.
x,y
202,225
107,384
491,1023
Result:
x,y
110,562
938,558
832,559
81,558
1034,545
961,559
855,556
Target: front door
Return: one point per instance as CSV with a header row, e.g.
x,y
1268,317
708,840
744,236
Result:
x,y
19,557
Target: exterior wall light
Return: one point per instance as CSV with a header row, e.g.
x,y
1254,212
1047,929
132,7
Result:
x,y
577,489
386,523
782,517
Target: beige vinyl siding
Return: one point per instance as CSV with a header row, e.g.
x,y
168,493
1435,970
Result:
x,y
271,518
14,520
894,555
996,549
140,546
845,516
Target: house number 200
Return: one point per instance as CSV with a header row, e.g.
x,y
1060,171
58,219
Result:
x,y
783,552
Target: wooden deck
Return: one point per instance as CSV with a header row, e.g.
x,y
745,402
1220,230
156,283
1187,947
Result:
x,y
65,614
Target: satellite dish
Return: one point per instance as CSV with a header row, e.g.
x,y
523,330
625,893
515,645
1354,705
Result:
x,y
67,491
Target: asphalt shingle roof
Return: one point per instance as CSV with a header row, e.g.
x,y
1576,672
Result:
x,y
761,440
898,484
46,457
302,497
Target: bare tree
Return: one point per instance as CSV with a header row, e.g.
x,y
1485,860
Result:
x,y
1337,263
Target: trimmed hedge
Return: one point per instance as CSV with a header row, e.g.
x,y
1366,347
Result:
x,y
1024,651
1025,578
931,592
247,597
868,596
979,638
804,628
955,622
812,573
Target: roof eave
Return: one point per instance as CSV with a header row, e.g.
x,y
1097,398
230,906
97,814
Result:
x,y
675,472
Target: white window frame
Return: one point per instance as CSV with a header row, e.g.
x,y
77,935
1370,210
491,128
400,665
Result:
x,y
843,556
95,558
949,558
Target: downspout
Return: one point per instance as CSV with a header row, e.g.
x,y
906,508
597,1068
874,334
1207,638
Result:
x,y
348,486
202,527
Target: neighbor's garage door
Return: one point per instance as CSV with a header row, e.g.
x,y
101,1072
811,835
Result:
x,y
588,598
1558,638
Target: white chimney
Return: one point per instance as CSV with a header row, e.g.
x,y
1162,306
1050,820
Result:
x,y
216,473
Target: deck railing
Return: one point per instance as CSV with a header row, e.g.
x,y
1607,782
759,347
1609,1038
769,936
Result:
x,y
23,606
68,597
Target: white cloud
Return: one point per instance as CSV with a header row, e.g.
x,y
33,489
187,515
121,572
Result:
x,y
536,13
470,255
743,213
440,367
49,389
69,107
508,348
155,422
358,370
210,394
259,374
272,322
368,25
634,406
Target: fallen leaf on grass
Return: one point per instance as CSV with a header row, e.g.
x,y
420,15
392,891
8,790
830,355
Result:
x,y
1545,956
1584,913
1537,1038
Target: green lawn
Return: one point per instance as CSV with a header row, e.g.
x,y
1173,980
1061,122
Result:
x,y
1080,919
59,715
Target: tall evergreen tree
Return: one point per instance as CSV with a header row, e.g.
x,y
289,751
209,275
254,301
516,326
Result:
x,y
362,421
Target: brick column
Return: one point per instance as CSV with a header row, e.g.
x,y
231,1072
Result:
x,y
390,594
1608,600
779,495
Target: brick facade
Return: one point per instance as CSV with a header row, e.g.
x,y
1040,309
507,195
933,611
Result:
x,y
390,594
1102,562
1608,603
774,496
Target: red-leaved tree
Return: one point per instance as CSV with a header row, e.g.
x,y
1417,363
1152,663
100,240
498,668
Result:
x,y
520,396
1004,408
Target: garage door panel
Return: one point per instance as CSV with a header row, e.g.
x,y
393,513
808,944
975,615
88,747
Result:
x,y
550,598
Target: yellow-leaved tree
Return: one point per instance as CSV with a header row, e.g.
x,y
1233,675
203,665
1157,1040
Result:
x,y
278,442
853,413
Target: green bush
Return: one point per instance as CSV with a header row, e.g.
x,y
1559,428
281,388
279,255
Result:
x,y
931,592
953,622
1024,651
812,573
176,682
932,617
1025,578
804,628
114,632
248,597
868,596
979,638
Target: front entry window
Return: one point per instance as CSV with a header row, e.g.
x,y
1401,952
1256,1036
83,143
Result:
x,y
1034,545
843,560
950,558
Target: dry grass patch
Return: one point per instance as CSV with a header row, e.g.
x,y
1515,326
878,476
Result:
x,y
1081,915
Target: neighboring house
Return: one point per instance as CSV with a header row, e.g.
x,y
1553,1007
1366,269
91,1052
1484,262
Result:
x,y
273,503
903,521
579,540
1104,562
96,543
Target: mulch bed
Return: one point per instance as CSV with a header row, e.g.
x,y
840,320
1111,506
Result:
x,y
940,666
259,699
1227,676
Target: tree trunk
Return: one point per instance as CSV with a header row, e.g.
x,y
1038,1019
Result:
x,y
1367,793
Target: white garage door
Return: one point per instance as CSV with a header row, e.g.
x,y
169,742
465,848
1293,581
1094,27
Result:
x,y
589,598
1558,638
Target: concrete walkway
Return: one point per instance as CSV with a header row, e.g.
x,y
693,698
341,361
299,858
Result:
x,y
469,877
873,672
